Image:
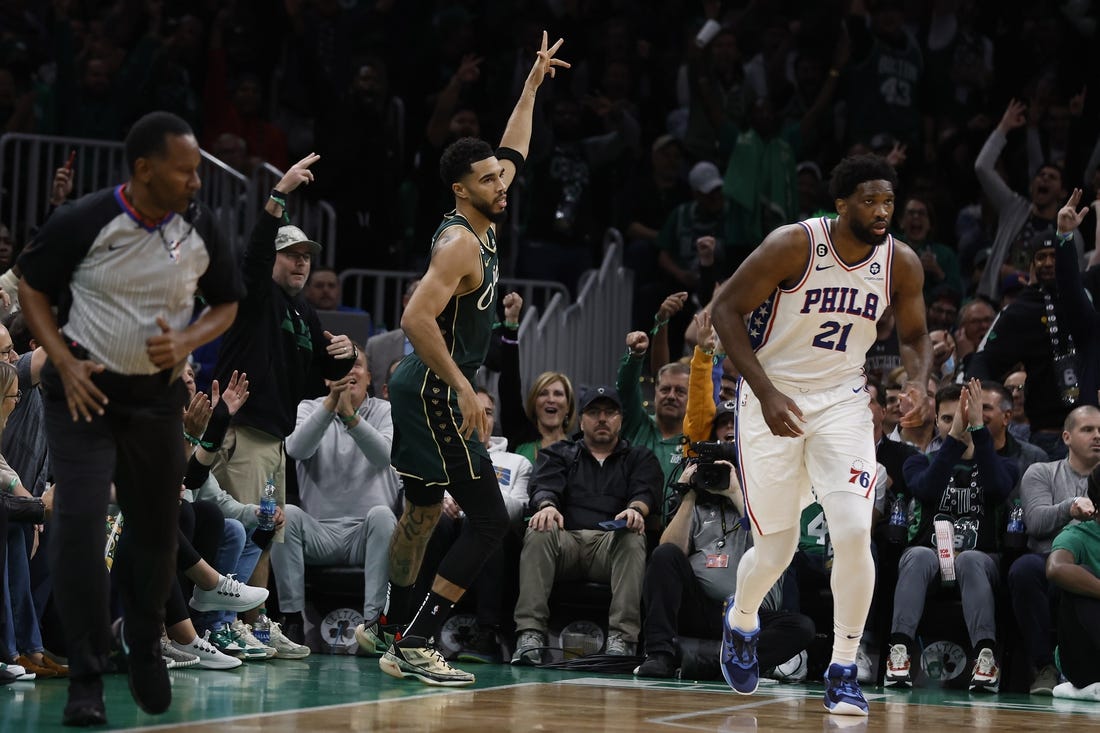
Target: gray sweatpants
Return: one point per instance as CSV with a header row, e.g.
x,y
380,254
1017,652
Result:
x,y
977,575
349,541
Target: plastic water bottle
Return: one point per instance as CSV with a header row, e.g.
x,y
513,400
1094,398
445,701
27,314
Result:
x,y
261,627
1015,537
898,529
267,505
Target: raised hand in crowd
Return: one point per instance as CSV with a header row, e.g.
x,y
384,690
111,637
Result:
x,y
513,305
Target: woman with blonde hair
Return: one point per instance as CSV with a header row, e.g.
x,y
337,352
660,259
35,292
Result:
x,y
544,418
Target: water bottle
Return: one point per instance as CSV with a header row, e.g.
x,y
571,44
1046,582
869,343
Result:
x,y
898,529
261,627
1015,537
267,505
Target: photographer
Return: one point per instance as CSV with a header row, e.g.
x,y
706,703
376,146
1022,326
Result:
x,y
694,569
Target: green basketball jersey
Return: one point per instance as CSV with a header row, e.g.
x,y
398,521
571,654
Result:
x,y
467,321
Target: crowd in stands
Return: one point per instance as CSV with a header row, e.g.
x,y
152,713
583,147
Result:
x,y
693,148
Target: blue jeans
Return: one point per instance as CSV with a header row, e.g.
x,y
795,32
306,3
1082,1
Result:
x,y
237,555
23,633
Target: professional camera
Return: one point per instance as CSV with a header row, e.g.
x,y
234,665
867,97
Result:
x,y
710,475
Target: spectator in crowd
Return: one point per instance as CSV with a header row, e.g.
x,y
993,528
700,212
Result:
x,y
943,309
699,242
278,341
323,291
489,590
578,485
1054,495
964,482
941,264
1074,567
719,94
943,354
383,349
760,175
1019,220
17,509
694,569
548,413
662,433
975,319
341,444
1028,333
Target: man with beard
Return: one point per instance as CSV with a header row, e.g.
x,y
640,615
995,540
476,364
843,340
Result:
x,y
1028,332
812,293
578,486
1019,219
438,419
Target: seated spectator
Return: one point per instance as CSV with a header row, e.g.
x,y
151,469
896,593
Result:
x,y
577,485
513,474
323,291
943,309
341,444
1074,566
21,509
1054,496
965,483
383,349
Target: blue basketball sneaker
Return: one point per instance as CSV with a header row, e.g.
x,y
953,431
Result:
x,y
740,666
842,693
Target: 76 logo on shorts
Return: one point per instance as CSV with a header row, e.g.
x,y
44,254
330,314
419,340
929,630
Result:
x,y
860,477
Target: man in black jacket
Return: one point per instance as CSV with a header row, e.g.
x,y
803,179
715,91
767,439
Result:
x,y
279,342
1031,330
577,486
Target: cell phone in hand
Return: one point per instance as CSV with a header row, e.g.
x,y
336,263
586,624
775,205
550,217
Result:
x,y
613,524
69,162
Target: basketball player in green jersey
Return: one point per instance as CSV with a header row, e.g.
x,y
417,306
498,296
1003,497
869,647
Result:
x,y
438,419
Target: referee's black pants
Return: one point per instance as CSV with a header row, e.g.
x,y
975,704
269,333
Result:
x,y
137,444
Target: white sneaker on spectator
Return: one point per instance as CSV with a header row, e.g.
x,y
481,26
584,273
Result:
x,y
253,648
175,657
229,594
286,648
19,673
865,674
208,655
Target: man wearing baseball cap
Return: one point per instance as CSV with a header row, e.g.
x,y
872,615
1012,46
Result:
x,y
578,487
278,341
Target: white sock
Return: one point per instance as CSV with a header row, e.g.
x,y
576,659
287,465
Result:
x,y
741,620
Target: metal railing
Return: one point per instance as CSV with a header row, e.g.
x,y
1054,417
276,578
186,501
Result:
x,y
380,292
584,340
28,162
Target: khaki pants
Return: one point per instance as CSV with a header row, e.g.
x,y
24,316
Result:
x,y
245,460
617,558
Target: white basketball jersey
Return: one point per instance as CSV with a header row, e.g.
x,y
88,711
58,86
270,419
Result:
x,y
816,334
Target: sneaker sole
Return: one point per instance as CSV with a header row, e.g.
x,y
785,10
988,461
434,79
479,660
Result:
x,y
239,607
292,654
897,682
232,663
846,708
985,687
393,668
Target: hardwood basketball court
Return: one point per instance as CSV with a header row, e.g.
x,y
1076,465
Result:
x,y
339,693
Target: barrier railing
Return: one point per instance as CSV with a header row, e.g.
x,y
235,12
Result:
x,y
380,291
28,162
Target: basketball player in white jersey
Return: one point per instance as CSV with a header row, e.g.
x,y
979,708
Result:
x,y
811,294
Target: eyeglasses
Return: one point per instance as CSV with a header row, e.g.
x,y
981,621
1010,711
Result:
x,y
17,396
6,353
1014,387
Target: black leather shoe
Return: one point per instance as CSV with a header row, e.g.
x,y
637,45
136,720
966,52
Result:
x,y
85,705
658,665
149,683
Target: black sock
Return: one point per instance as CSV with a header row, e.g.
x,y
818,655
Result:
x,y
429,619
400,600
